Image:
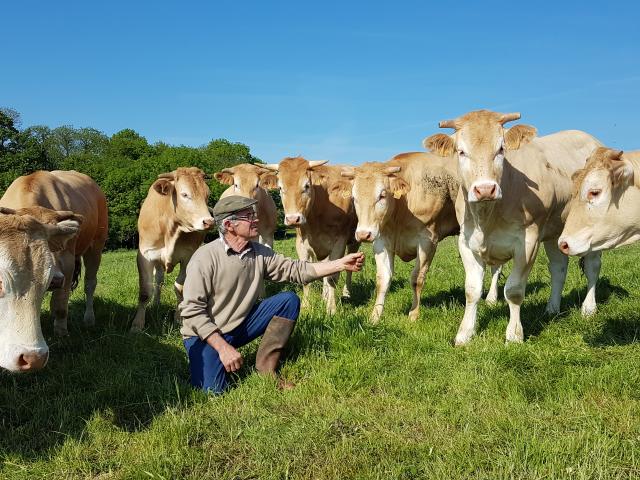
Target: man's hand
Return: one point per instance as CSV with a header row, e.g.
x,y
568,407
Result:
x,y
353,262
229,356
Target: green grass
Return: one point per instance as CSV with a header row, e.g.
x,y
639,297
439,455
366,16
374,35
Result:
x,y
394,400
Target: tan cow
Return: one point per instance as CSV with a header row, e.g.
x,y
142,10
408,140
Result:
x,y
405,207
317,202
604,212
172,224
514,192
245,181
59,218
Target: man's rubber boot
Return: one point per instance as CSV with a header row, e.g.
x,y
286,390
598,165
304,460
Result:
x,y
272,345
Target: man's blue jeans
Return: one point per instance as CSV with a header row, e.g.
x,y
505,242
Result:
x,y
207,371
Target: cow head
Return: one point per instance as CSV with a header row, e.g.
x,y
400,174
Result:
x,y
480,142
294,180
596,219
29,238
189,194
376,189
245,178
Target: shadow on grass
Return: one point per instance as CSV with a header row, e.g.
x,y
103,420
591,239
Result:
x,y
130,378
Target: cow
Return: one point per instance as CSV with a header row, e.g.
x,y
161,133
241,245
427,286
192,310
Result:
x,y
604,212
173,221
52,222
405,207
317,202
245,181
515,188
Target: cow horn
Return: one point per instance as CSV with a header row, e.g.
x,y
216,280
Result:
x,y
317,163
392,170
508,117
170,175
448,124
616,154
274,167
7,211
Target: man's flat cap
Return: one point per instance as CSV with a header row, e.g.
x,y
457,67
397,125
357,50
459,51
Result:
x,y
231,204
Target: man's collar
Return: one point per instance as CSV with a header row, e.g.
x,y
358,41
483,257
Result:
x,y
228,247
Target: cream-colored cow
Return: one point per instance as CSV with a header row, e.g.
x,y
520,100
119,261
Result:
x,y
514,192
50,221
172,224
245,181
604,212
405,207
317,202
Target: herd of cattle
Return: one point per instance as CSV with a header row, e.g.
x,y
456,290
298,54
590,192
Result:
x,y
503,190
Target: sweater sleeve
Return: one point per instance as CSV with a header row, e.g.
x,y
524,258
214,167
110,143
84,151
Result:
x,y
198,289
283,269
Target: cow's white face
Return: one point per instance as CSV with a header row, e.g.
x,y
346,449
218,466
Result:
x,y
480,162
27,270
375,191
600,217
189,194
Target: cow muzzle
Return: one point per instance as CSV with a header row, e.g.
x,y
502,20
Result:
x,y
365,236
23,359
485,191
294,220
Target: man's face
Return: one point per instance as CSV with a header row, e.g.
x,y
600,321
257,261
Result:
x,y
245,223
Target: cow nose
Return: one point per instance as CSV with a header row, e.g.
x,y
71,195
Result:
x,y
32,361
564,247
485,191
208,222
364,236
292,219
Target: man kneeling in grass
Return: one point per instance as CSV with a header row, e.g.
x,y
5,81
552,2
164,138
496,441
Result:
x,y
220,310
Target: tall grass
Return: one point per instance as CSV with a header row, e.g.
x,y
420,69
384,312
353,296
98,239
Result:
x,y
394,400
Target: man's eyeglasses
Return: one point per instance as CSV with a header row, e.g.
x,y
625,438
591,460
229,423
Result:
x,y
249,217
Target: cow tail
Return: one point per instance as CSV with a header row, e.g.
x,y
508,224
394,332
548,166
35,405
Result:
x,y
77,269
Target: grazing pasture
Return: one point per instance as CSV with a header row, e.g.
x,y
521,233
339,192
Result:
x,y
394,400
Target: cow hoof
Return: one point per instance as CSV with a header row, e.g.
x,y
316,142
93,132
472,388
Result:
x,y
413,315
513,339
589,310
552,309
135,329
346,293
89,320
463,339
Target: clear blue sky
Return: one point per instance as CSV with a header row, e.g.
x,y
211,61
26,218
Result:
x,y
344,81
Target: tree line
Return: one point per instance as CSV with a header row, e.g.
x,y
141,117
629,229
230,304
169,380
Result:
x,y
124,164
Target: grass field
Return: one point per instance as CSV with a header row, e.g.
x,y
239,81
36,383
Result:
x,y
394,400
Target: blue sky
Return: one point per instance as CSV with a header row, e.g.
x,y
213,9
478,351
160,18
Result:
x,y
344,81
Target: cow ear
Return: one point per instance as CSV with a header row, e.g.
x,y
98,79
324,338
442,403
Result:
x,y
59,234
342,189
441,144
398,186
518,136
269,180
576,174
224,177
163,186
622,174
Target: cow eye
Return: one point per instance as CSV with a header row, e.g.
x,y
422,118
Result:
x,y
184,195
306,187
593,193
500,150
383,194
461,153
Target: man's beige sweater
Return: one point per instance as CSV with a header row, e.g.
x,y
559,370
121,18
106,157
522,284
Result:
x,y
222,286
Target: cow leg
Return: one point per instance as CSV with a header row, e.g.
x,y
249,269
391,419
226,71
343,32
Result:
x,y
145,282
514,289
592,263
303,254
558,269
473,277
157,287
352,247
91,260
59,304
384,256
492,294
330,282
178,287
426,250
